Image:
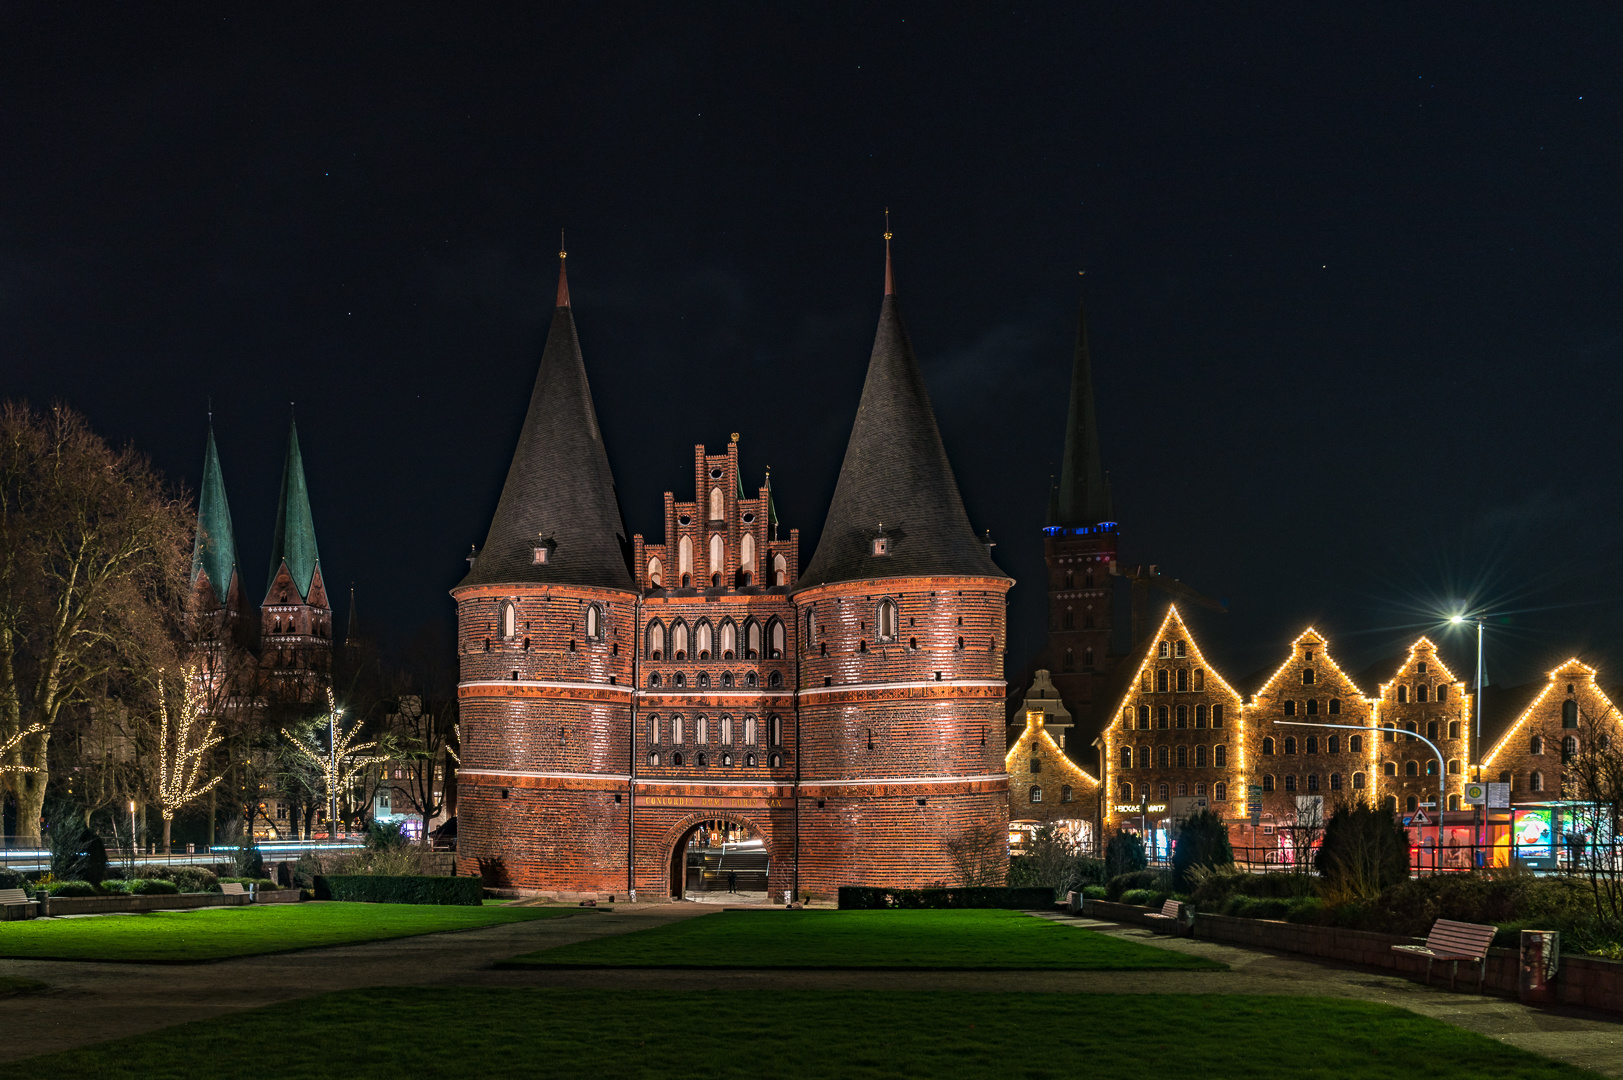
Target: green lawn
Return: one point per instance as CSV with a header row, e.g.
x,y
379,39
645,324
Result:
x,y
990,940
217,933
751,1035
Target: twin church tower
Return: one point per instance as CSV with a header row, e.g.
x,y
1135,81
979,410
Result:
x,y
620,694
286,653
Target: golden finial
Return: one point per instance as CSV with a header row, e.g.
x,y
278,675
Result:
x,y
562,254
735,436
887,223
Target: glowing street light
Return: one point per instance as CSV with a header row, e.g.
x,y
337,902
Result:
x,y
1460,619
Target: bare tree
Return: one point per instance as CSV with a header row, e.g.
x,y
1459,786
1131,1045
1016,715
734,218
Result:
x,y
342,761
422,732
980,855
183,750
93,560
1593,779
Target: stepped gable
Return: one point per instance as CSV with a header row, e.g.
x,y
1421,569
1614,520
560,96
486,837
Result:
x,y
294,541
1083,495
896,479
215,551
559,495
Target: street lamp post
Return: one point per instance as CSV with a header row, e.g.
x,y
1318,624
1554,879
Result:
x,y
1479,834
332,771
1442,770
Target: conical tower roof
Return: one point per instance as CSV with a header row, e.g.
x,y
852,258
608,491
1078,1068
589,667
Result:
x,y
1084,496
559,495
896,482
215,551
294,542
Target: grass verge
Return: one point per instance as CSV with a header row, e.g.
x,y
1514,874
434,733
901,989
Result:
x,y
786,1035
218,933
944,940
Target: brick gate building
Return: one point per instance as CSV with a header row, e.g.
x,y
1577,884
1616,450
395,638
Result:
x,y
619,694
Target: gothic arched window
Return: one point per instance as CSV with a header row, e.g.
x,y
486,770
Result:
x,y
717,506
656,573
746,552
509,619
775,635
656,641
780,570
887,620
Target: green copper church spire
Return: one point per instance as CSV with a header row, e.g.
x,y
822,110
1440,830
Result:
x,y
1084,494
295,539
215,552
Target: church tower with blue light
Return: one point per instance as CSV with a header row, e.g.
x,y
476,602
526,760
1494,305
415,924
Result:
x,y
1079,548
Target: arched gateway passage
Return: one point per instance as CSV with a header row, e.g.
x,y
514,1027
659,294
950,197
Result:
x,y
720,861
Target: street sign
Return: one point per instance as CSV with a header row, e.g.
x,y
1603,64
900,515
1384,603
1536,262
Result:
x,y
1498,796
1476,794
1184,805
1253,801
1420,818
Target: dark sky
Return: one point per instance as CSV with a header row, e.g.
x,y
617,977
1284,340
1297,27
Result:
x,y
1353,276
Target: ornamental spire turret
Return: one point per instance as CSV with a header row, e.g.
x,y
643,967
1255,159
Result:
x,y
896,510
1084,495
558,520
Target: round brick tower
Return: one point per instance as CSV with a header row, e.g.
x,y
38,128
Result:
x,y
902,633
545,625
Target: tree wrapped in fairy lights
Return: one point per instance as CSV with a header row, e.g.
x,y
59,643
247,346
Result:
x,y
183,749
13,764
341,761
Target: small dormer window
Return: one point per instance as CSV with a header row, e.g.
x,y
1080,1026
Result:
x,y
881,545
540,555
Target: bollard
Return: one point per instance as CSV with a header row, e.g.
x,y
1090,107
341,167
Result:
x,y
1538,960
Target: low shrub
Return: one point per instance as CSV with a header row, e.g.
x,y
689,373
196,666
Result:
x,y
71,888
1094,892
375,889
245,882
115,887
187,878
869,898
1138,879
153,887
11,879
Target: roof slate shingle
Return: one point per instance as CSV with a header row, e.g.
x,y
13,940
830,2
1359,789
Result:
x,y
896,477
559,490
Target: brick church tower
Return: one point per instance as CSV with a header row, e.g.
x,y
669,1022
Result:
x,y
902,618
295,619
214,622
1079,548
545,630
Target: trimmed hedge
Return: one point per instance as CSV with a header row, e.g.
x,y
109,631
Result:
x,y
414,889
867,898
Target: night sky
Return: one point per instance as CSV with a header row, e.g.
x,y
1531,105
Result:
x,y
1353,277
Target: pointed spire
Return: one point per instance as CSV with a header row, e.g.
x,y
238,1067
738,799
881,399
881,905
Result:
x,y
896,472
215,551
352,629
559,498
563,277
1084,496
890,279
771,508
294,542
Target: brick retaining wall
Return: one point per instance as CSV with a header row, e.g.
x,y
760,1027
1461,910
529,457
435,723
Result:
x,y
1589,981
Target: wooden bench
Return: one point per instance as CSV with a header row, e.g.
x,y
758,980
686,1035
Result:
x,y
1170,911
16,898
233,888
1455,941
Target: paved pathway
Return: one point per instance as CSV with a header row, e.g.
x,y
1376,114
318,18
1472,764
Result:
x,y
92,1002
